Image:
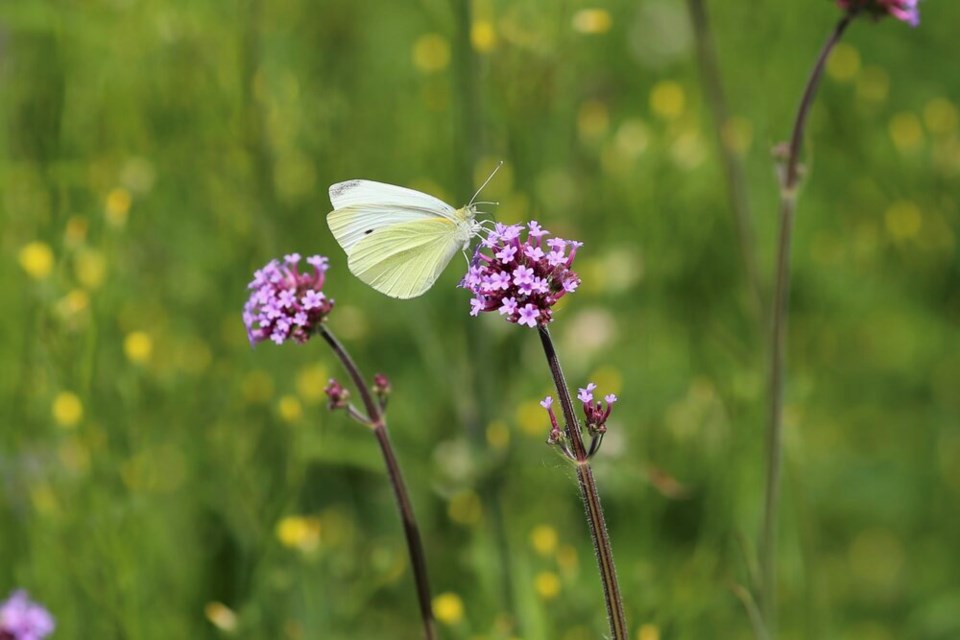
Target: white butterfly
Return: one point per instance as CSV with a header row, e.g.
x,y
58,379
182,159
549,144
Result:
x,y
398,240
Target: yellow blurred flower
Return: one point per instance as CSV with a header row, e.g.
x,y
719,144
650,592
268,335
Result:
x,y
547,585
567,558
289,408
498,434
906,132
483,37
76,231
36,258
668,99
310,383
544,539
592,21
873,84
299,532
648,632
448,608
940,116
533,419
138,347
73,304
67,409
117,207
431,52
632,138
221,616
593,120
844,63
257,387
90,267
737,134
903,220
465,508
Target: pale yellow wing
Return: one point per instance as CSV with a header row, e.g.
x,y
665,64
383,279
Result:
x,y
404,260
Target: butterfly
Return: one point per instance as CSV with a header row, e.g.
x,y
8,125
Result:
x,y
399,240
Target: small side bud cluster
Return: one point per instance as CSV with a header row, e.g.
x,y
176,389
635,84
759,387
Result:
x,y
338,397
595,414
286,304
381,388
521,279
903,10
23,619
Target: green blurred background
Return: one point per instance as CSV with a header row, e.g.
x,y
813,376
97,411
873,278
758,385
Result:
x,y
161,479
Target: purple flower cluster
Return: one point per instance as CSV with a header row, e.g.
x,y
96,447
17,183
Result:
x,y
521,279
22,619
903,10
286,304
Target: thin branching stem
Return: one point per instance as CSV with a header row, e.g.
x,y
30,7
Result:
x,y
790,179
378,425
589,494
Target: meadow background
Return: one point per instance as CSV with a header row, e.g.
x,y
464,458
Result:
x,y
161,479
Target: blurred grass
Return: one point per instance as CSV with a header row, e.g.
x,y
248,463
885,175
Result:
x,y
159,151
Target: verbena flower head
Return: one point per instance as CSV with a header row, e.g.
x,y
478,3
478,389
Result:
x,y
22,619
286,304
521,278
903,10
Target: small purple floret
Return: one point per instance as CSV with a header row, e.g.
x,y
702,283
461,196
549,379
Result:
x,y
903,10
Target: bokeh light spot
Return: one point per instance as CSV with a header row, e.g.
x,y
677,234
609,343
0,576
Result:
x,y
138,347
547,585
36,258
592,21
543,539
668,99
431,52
844,63
448,608
67,409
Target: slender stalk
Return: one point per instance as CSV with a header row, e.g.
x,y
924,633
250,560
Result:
x,y
788,198
590,496
378,424
732,166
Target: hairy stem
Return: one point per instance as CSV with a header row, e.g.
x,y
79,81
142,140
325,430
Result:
x,y
774,454
590,496
410,529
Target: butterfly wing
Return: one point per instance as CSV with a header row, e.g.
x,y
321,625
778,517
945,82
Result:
x,y
362,207
404,260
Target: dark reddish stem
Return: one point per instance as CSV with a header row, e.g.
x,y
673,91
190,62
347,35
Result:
x,y
378,425
589,494
788,196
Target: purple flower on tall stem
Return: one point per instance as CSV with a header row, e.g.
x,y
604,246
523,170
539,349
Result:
x,y
286,304
595,415
904,10
519,279
23,619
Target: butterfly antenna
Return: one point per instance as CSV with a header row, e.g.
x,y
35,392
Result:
x,y
485,182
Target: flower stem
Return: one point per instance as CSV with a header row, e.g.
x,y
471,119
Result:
x,y
788,195
589,494
732,166
378,424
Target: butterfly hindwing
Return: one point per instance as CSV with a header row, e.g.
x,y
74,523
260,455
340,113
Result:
x,y
404,260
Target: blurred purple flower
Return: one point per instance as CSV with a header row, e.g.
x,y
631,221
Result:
x,y
517,278
286,304
22,619
903,10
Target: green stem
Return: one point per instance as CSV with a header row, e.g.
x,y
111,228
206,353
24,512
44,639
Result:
x,y
590,496
732,166
774,455
378,424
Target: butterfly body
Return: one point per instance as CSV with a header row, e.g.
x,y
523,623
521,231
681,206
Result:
x,y
397,240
